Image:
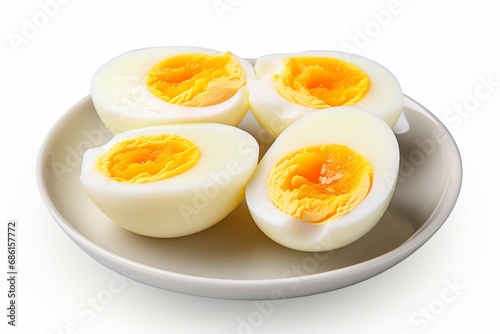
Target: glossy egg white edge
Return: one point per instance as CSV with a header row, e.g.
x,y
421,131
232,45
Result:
x,y
186,203
123,101
275,113
371,137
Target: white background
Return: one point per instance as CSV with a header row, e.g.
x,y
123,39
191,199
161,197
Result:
x,y
440,52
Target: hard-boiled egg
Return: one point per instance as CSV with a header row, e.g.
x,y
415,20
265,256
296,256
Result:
x,y
289,86
165,85
326,180
170,180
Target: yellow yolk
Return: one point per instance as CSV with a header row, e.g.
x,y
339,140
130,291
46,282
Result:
x,y
148,158
319,183
321,82
196,80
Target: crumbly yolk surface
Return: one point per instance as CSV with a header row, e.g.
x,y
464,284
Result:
x,y
320,183
321,82
196,80
148,158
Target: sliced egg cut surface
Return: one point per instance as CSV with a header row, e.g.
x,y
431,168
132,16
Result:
x,y
326,180
167,85
196,80
321,82
170,180
148,158
289,86
320,183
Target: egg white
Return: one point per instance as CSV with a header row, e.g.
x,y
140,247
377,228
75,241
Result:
x,y
274,112
361,131
123,101
183,204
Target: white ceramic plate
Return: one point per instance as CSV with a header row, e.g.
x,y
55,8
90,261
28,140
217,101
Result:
x,y
234,259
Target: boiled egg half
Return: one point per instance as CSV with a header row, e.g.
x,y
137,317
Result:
x,y
170,180
326,180
165,85
289,86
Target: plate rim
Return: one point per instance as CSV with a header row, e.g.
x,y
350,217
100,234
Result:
x,y
246,289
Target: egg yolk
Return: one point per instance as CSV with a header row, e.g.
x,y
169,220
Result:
x,y
320,183
196,80
148,158
321,82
